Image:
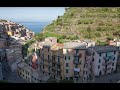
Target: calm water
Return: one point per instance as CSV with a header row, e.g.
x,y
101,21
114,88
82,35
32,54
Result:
x,y
34,26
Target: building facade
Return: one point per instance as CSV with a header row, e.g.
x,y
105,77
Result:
x,y
104,59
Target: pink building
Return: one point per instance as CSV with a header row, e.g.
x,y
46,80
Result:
x,y
34,61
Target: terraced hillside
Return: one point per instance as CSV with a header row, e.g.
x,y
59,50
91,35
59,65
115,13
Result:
x,y
95,23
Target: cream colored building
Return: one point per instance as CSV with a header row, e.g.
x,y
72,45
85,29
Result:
x,y
74,60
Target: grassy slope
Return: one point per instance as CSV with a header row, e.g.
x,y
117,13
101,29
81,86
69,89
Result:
x,y
86,23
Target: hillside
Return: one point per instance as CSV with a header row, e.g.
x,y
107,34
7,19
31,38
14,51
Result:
x,y
95,23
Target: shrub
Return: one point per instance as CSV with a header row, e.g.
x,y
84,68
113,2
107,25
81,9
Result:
x,y
109,38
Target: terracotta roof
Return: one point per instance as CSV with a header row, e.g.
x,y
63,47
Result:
x,y
59,44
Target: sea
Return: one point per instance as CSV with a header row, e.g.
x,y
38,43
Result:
x,y
36,27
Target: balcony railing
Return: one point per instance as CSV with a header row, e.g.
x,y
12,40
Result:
x,y
108,68
76,75
59,63
76,62
55,68
107,63
58,69
78,54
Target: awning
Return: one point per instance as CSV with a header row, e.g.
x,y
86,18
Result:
x,y
77,69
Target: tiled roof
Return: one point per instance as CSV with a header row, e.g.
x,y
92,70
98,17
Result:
x,y
59,45
109,48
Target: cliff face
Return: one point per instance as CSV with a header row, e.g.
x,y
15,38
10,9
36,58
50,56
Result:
x,y
15,30
96,23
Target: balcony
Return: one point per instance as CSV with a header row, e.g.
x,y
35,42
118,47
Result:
x,y
55,68
106,69
76,62
77,55
59,63
76,75
58,69
41,63
107,63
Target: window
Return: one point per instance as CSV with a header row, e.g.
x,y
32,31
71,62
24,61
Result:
x,y
26,77
98,66
69,57
65,57
77,50
83,72
48,57
67,78
26,72
20,73
76,66
84,78
106,54
48,68
43,66
114,52
112,64
112,69
99,54
67,64
93,59
58,59
71,78
43,56
99,60
66,50
67,71
113,58
35,79
86,72
105,72
48,49
40,81
84,65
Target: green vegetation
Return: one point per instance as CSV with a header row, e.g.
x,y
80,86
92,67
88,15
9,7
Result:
x,y
96,23
66,81
51,81
101,43
1,20
3,81
25,47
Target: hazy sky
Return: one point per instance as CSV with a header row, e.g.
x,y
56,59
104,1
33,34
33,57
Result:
x,y
31,13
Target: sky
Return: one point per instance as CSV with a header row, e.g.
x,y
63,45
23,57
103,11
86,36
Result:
x,y
31,13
